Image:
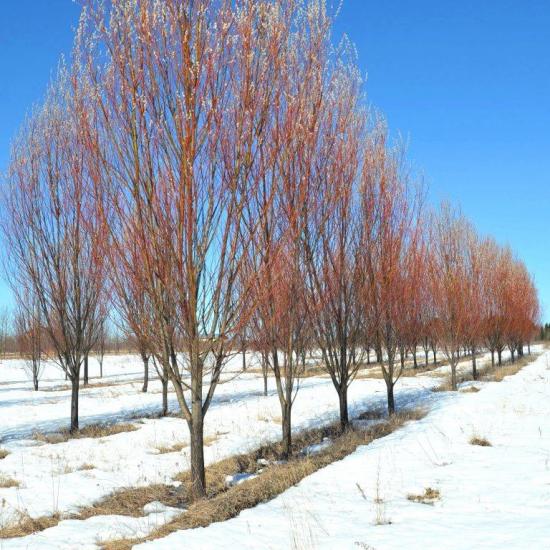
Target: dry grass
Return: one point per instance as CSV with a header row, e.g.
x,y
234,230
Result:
x,y
470,389
428,497
91,431
7,482
3,453
480,441
130,502
497,374
487,372
223,503
373,414
86,467
27,526
175,448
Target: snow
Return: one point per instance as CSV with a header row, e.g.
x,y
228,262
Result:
x,y
92,532
317,447
491,497
327,507
237,479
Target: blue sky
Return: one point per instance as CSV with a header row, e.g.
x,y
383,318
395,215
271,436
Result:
x,y
468,83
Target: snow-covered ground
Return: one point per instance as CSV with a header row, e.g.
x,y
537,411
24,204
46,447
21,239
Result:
x,y
489,495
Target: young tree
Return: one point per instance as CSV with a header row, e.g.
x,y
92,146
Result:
x,y
180,110
391,237
449,281
28,334
52,232
333,232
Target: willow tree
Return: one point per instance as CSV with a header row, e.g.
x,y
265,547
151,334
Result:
x,y
182,96
52,232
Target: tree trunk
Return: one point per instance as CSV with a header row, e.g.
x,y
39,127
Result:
x,y
391,399
264,372
75,383
529,348
402,358
145,359
414,358
435,355
35,378
513,354
499,353
492,358
454,385
426,357
243,351
474,365
198,479
86,377
164,382
368,356
287,429
343,400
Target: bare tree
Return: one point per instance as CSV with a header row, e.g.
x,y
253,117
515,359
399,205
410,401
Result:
x,y
392,236
449,283
181,103
28,333
52,232
4,331
333,232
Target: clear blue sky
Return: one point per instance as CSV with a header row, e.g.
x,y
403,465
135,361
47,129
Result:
x,y
467,82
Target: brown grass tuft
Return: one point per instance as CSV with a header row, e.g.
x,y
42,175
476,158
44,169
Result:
x,y
470,389
480,441
428,497
3,453
27,526
130,501
91,431
8,482
175,448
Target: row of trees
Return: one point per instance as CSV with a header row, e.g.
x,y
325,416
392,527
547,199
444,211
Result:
x,y
210,172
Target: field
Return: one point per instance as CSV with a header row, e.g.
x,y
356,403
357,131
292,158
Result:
x,y
478,462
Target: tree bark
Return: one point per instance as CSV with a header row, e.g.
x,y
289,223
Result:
x,y
198,478
391,399
75,383
343,400
492,358
454,385
164,382
499,353
86,377
414,358
145,359
287,429
474,365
